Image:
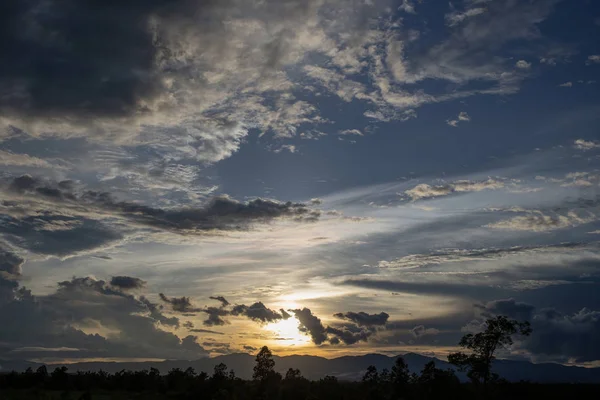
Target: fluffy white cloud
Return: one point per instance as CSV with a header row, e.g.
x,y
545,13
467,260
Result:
x,y
537,221
581,144
462,117
593,59
424,190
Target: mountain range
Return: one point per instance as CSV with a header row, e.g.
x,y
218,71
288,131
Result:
x,y
346,368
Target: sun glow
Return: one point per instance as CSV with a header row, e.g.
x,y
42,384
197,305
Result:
x,y
288,333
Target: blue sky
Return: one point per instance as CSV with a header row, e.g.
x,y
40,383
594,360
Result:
x,y
183,179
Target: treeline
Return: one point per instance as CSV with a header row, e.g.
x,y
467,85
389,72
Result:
x,y
395,384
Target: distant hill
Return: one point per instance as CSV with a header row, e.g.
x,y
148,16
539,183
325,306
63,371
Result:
x,y
347,368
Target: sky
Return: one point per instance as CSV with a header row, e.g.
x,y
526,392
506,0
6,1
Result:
x,y
190,178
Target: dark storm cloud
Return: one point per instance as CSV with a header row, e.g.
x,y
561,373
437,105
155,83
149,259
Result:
x,y
572,336
222,299
59,235
58,219
554,333
311,324
10,271
448,289
83,58
10,264
127,282
285,314
348,335
184,305
420,331
345,333
364,319
257,312
53,321
156,313
180,304
222,212
509,307
215,316
197,330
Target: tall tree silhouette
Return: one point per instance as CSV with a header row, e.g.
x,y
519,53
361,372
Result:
x,y
400,378
265,366
497,334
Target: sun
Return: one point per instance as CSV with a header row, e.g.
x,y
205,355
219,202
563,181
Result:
x,y
287,332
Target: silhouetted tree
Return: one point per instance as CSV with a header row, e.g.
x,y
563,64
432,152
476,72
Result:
x,y
59,378
265,366
219,372
264,373
498,333
371,380
400,379
293,373
435,383
371,376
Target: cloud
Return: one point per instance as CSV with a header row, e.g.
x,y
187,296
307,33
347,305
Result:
x,y
462,256
364,319
407,6
462,117
593,59
581,144
422,288
223,300
286,147
464,56
423,190
62,318
522,64
196,330
351,132
24,160
420,331
537,221
179,304
508,307
348,335
455,17
566,336
220,212
127,282
257,312
63,218
566,84
57,235
10,273
157,53
570,337
214,316
10,264
180,93
311,324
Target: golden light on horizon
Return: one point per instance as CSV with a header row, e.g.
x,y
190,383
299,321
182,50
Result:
x,y
288,333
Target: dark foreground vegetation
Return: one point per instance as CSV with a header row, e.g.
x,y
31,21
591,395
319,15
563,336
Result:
x,y
395,384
